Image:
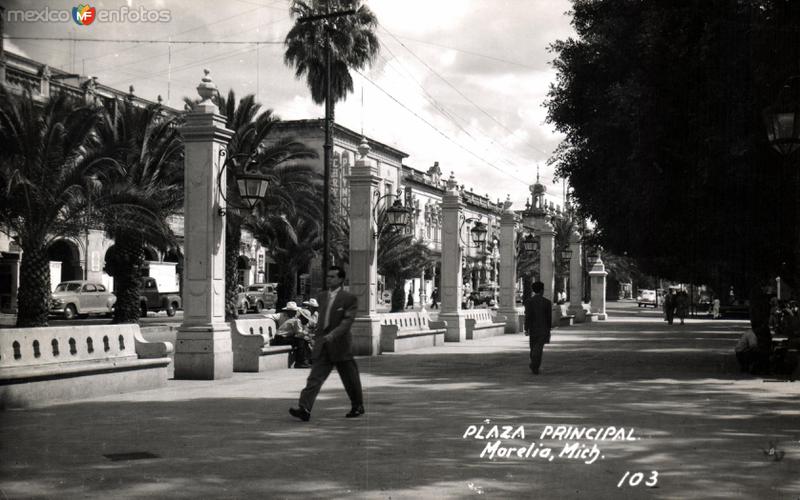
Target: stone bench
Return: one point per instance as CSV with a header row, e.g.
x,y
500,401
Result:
x,y
64,363
481,323
410,330
251,350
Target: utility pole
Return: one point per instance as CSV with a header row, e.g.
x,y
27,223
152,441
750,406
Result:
x,y
327,148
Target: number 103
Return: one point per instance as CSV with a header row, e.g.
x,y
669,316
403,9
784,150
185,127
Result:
x,y
636,479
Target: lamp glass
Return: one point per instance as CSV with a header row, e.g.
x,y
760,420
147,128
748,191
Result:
x,y
479,233
252,189
397,215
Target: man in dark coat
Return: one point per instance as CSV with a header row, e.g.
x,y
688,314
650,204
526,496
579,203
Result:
x,y
333,348
538,321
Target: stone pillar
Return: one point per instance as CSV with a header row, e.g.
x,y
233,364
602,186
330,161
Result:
x,y
364,183
598,278
203,347
576,279
546,256
508,269
451,280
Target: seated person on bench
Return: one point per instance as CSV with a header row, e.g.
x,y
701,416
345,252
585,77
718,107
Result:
x,y
293,333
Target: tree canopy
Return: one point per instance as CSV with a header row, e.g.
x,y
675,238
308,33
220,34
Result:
x,y
661,104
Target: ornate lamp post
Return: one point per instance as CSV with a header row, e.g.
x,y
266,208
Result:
x,y
782,120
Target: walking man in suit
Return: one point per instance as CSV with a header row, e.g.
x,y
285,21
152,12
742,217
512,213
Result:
x,y
538,319
333,348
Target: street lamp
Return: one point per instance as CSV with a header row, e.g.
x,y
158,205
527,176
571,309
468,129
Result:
x,y
477,233
782,120
529,244
252,186
395,218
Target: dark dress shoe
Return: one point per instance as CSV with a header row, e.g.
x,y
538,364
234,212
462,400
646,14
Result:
x,y
355,411
302,365
300,413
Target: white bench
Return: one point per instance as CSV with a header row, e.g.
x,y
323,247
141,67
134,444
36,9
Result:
x,y
481,323
64,363
410,330
251,350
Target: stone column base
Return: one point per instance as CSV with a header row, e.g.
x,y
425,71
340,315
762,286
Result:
x,y
512,319
366,331
456,326
204,352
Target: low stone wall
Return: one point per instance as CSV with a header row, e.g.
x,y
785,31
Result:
x,y
53,364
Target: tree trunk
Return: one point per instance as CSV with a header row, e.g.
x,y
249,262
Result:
x,y
285,291
126,268
33,295
233,236
398,297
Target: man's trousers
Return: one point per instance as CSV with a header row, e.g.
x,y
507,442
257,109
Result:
x,y
320,369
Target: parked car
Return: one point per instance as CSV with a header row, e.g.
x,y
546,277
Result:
x,y
242,304
151,299
647,298
80,297
261,296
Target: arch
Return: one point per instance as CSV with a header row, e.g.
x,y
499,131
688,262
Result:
x,y
68,254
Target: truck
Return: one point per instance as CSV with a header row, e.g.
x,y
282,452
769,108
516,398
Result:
x,y
152,300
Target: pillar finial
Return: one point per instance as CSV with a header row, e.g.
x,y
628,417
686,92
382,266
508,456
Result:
x,y
363,148
207,88
452,184
507,204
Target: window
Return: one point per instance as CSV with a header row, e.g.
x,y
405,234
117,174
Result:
x,y
101,288
89,288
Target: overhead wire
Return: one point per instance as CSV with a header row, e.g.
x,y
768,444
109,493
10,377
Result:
x,y
479,108
483,160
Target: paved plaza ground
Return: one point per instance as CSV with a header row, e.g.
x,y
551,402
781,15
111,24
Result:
x,y
699,428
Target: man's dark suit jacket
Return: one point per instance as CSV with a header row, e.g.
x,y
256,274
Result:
x,y
339,340
538,318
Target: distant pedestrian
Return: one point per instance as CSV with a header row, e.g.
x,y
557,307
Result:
x,y
669,306
410,302
715,305
435,298
682,305
333,348
538,321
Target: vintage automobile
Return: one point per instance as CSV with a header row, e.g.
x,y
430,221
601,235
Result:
x,y
647,298
79,297
151,299
261,296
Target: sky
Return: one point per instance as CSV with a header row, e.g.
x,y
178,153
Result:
x,y
461,82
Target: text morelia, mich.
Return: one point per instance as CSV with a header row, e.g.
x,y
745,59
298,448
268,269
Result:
x,y
556,433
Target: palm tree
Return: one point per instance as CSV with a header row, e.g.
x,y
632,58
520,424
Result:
x,y
324,51
44,178
352,41
401,256
143,152
252,149
292,231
